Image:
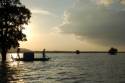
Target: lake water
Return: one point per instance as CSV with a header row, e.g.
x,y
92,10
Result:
x,y
66,68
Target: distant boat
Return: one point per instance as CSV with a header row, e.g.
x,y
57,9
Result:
x,y
113,51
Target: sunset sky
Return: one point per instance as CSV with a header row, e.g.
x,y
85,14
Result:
x,y
75,24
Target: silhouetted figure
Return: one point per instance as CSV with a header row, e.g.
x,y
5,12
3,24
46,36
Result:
x,y
77,51
18,51
7,73
44,50
113,51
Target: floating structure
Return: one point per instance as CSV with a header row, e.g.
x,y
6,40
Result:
x,y
29,56
77,52
113,51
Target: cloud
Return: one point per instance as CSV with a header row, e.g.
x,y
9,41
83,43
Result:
x,y
122,2
104,2
42,12
109,2
37,11
96,23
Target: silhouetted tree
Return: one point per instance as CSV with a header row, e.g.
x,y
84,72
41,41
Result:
x,y
77,51
13,15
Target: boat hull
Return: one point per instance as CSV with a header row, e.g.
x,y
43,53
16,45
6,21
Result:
x,y
35,59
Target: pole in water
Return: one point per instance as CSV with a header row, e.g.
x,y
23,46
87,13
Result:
x,y
18,51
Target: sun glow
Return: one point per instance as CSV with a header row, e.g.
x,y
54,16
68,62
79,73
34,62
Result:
x,y
104,2
27,31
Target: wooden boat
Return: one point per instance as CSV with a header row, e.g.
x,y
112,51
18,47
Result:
x,y
29,56
35,59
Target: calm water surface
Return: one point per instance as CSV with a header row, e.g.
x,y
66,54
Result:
x,y
66,68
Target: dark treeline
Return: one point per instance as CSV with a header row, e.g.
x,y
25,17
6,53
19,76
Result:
x,y
68,51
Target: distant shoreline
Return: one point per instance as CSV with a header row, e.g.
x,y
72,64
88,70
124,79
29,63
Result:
x,y
68,51
22,50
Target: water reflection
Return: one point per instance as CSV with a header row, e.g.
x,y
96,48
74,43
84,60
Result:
x,y
9,72
66,68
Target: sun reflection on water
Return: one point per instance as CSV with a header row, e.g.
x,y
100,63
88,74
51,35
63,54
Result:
x,y
13,69
14,55
15,66
10,72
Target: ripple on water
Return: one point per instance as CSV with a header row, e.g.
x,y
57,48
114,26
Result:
x,y
67,68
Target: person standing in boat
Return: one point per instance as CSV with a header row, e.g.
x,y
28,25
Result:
x,y
44,50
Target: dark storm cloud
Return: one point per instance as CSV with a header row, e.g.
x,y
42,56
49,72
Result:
x,y
102,24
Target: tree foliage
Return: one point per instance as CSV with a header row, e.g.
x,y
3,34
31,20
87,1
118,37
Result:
x,y
13,15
